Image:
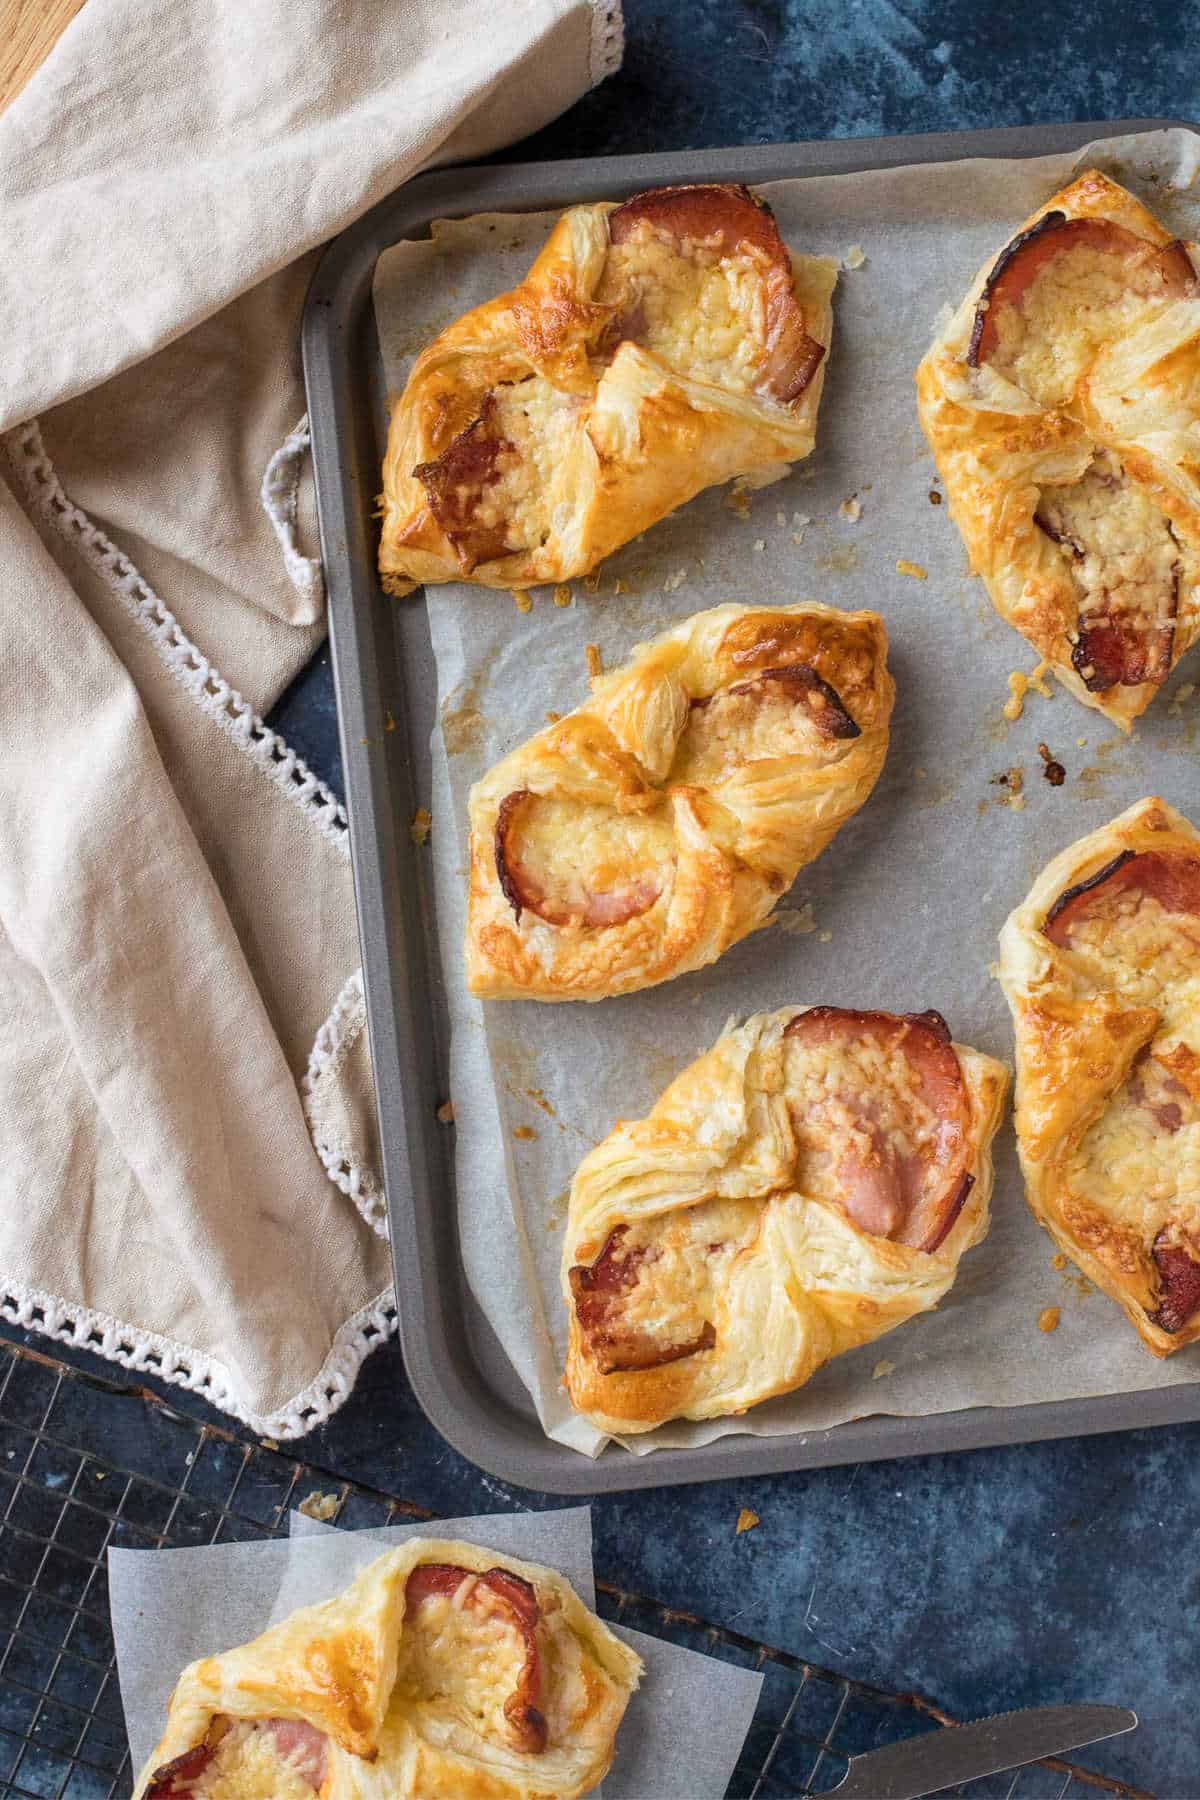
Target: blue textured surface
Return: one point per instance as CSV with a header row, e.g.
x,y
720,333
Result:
x,y
1051,1572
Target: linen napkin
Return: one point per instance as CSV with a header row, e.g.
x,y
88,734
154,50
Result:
x,y
188,1147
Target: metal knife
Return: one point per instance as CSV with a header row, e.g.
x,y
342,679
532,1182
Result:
x,y
941,1759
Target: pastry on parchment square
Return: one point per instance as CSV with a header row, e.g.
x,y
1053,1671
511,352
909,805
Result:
x,y
806,1186
1101,967
443,1672
654,348
1062,405
644,833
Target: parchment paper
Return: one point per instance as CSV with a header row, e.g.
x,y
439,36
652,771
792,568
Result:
x,y
906,905
680,1738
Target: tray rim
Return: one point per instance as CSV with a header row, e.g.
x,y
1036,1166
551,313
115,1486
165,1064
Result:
x,y
457,1399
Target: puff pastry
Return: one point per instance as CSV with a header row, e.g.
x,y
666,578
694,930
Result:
x,y
650,829
806,1186
653,349
444,1672
1101,967
1062,405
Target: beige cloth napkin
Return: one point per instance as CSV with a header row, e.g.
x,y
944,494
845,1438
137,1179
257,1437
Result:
x,y
188,1167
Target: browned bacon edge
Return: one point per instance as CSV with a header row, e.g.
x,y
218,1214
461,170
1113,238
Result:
x,y
175,1780
596,1289
822,703
612,907
1113,652
1179,1275
727,214
455,482
1172,877
1021,261
526,1720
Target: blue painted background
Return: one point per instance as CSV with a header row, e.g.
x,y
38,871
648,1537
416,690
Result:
x,y
1061,1571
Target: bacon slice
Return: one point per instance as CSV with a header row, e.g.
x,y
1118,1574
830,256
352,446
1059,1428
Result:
x,y
1179,1277
727,217
525,893
457,481
1170,877
598,1291
1164,272
519,1599
298,1744
911,1199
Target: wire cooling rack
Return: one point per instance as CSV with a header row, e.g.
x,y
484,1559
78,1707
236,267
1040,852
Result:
x,y
64,1501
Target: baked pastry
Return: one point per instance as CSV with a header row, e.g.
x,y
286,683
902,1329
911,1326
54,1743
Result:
x,y
806,1186
1101,967
1062,405
443,1672
653,349
658,823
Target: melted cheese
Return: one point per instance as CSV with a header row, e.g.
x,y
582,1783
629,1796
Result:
x,y
1079,301
1130,945
1117,543
247,1767
705,314
853,1100
762,723
463,1652
690,1253
538,422
1136,1170
571,850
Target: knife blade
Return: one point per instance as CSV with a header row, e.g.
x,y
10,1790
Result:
x,y
941,1759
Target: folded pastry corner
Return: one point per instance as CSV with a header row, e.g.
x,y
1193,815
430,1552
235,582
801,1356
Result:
x,y
443,1669
806,1186
644,833
1062,404
1100,965
654,348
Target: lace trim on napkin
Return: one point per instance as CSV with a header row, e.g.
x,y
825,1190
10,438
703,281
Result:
x,y
280,500
265,748
149,1353
608,39
331,1046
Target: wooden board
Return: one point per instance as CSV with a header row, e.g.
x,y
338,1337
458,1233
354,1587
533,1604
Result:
x,y
29,30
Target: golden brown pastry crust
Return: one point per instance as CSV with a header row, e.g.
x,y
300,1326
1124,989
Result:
x,y
345,1668
1107,1099
1088,420
750,1265
623,434
688,791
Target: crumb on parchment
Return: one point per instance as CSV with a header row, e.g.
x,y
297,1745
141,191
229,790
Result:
x,y
595,662
674,581
562,595
445,1113
795,921
422,820
591,581
737,499
1021,684
882,1367
854,258
1059,1262
1048,1318
525,1133
851,509
553,718
746,1521
1052,769
522,600
904,567
320,1506
1180,700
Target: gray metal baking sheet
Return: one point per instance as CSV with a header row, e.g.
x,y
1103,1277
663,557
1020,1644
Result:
x,y
383,671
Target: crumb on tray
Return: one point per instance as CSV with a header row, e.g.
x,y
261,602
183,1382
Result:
x,y
418,831
445,1113
904,567
1048,1318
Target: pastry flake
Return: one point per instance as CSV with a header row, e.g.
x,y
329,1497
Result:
x,y
806,1186
1101,967
643,834
654,349
1062,405
444,1670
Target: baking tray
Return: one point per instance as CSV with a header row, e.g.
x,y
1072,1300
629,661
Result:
x,y
386,688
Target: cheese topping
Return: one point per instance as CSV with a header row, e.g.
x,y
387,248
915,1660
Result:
x,y
761,722
683,1261
861,1115
1129,944
1140,1162
247,1765
702,313
1081,300
568,852
462,1651
536,423
1119,546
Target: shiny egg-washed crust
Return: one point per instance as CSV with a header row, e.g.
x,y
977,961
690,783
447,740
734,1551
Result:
x,y
809,1285
645,437
1076,1045
730,846
1136,404
334,1666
